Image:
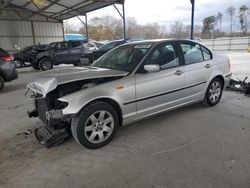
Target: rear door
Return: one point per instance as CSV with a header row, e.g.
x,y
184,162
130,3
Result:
x,y
157,91
62,53
197,68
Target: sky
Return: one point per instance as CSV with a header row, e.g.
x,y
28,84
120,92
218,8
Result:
x,y
166,12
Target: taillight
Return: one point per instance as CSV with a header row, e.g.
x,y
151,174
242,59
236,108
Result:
x,y
7,58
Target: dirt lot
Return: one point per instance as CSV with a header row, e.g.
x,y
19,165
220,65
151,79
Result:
x,y
193,147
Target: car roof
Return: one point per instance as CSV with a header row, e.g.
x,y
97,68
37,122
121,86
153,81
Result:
x,y
158,41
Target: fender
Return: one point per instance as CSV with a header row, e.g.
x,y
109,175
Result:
x,y
78,100
214,74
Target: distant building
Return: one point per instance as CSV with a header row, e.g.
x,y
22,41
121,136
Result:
x,y
70,36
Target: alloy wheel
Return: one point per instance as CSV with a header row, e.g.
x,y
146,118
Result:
x,y
215,91
99,126
46,65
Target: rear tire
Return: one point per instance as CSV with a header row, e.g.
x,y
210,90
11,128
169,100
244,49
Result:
x,y
96,125
18,63
214,92
45,64
1,83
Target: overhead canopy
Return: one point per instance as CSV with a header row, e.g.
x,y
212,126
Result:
x,y
57,9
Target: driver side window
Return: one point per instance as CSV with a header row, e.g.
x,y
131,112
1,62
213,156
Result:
x,y
165,56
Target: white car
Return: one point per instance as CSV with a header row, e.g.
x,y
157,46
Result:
x,y
131,82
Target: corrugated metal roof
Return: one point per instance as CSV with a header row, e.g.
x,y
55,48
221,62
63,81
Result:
x,y
61,9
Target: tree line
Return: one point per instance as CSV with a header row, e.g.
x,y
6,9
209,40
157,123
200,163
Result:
x,y
110,28
212,25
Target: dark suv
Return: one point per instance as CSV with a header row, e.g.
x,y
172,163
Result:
x,y
62,53
27,54
7,69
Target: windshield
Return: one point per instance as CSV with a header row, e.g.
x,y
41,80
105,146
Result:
x,y
123,58
51,45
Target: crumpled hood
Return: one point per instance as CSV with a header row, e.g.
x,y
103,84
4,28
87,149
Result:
x,y
47,81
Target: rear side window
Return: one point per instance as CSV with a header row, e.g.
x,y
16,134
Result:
x,y
192,53
206,53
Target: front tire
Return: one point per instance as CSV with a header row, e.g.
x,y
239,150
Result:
x,y
45,64
96,125
214,92
1,83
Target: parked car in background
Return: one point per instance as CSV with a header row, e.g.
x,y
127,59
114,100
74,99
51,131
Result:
x,y
98,44
7,69
68,52
27,55
131,82
104,49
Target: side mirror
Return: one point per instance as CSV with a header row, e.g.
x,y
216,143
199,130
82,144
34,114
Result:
x,y
152,68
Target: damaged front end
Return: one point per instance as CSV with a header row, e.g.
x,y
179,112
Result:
x,y
46,94
55,124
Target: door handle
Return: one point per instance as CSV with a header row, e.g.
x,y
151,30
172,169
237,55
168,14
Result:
x,y
207,66
178,72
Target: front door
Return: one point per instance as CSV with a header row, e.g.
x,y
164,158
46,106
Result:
x,y
62,53
157,91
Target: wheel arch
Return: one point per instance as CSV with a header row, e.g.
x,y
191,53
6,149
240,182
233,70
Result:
x,y
45,57
110,101
221,79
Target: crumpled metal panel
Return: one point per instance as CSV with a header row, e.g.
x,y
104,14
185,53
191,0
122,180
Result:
x,y
46,82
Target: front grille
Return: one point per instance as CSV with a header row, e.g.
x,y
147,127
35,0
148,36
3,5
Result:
x,y
44,105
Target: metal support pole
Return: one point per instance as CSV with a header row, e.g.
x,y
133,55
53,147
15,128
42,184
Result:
x,y
33,32
123,18
86,26
124,21
63,31
192,19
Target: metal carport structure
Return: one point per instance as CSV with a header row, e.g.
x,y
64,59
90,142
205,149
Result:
x,y
41,21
